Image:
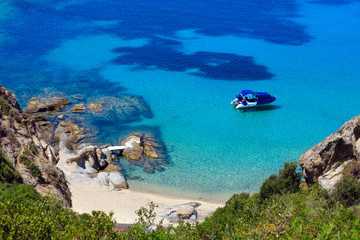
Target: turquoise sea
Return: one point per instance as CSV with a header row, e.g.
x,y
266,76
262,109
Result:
x,y
188,60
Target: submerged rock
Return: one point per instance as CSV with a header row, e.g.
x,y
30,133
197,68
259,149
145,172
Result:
x,y
125,108
95,107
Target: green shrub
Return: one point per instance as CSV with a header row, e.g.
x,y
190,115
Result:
x,y
7,172
45,218
347,191
32,149
26,151
34,170
5,106
287,181
18,193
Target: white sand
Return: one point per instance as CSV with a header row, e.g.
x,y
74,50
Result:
x,y
88,196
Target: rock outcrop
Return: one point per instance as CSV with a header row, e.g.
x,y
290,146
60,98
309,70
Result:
x,y
324,161
42,105
145,152
80,161
26,137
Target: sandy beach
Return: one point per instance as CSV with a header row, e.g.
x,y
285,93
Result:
x,y
89,196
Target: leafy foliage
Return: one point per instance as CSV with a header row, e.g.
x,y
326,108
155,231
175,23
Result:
x,y
7,172
34,170
347,191
18,193
24,214
287,181
5,106
291,214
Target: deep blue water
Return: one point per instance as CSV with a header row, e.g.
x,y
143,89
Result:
x,y
188,59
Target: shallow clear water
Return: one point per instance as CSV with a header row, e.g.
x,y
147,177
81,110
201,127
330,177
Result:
x,y
188,63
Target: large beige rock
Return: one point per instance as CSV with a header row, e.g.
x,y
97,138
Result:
x,y
134,150
42,105
56,104
79,107
185,211
118,180
337,148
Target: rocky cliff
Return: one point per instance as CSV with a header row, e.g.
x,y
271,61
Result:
x,y
23,140
335,156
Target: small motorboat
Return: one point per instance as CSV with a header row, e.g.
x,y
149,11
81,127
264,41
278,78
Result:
x,y
249,98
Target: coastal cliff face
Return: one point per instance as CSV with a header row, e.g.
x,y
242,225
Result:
x,y
24,141
335,156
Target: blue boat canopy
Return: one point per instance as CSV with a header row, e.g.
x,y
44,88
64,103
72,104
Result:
x,y
262,97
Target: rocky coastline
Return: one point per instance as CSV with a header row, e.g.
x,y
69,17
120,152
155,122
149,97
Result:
x,y
47,146
47,135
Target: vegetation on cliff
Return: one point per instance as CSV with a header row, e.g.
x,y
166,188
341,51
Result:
x,y
271,214
7,172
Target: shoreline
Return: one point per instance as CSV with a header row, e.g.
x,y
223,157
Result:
x,y
89,196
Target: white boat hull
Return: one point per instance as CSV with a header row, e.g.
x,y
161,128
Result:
x,y
238,104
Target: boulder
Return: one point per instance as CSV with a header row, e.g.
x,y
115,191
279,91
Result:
x,y
57,103
185,211
42,105
91,158
103,179
79,108
32,106
118,180
95,107
134,150
337,148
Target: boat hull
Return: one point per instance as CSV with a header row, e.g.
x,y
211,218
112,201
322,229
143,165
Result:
x,y
239,105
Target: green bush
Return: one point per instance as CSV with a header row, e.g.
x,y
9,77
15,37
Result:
x,y
5,106
24,214
18,193
287,181
7,172
34,170
347,191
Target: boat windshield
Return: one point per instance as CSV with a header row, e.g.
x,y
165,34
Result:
x,y
251,97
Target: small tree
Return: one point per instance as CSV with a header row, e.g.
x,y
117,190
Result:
x,y
347,191
287,181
